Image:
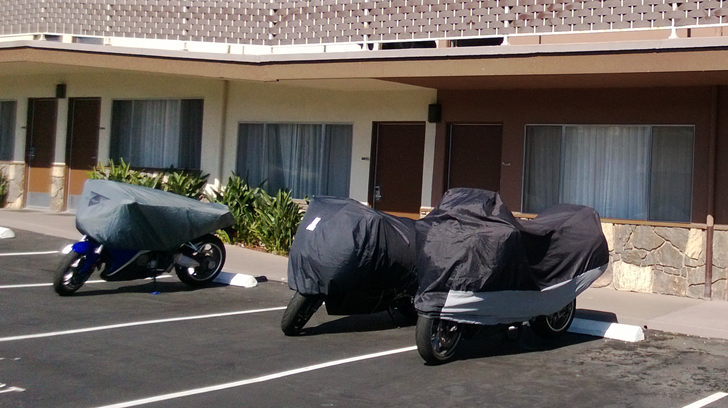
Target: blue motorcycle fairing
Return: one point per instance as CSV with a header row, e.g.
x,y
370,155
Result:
x,y
88,249
85,247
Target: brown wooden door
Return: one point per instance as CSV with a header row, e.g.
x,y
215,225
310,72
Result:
x,y
475,156
82,145
40,151
399,150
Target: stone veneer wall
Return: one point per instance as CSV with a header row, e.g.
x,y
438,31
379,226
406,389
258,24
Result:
x,y
14,171
664,260
58,183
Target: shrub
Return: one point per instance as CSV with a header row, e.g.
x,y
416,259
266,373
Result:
x,y
242,200
187,183
277,222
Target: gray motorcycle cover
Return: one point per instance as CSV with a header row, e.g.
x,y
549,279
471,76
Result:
x,y
478,264
352,254
124,216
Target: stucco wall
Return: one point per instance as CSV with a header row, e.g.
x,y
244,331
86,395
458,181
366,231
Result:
x,y
271,102
246,101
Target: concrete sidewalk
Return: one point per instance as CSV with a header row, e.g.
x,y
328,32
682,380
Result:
x,y
694,317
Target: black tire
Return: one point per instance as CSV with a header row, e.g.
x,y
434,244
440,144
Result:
x,y
554,325
437,339
67,278
406,307
299,311
209,252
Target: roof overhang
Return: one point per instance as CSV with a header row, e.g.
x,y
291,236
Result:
x,y
673,62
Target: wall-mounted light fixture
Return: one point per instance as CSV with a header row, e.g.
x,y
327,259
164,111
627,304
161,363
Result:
x,y
61,91
434,113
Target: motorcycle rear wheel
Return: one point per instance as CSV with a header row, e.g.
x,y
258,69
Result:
x,y
299,312
437,339
67,279
556,324
210,254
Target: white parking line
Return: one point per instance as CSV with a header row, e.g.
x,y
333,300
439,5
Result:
x,y
132,324
41,285
30,253
3,390
708,400
264,378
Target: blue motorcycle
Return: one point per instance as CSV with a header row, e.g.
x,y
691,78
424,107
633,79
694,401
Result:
x,y
196,263
133,232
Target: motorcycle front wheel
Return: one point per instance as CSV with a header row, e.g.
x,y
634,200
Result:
x,y
554,325
437,339
209,252
67,278
299,311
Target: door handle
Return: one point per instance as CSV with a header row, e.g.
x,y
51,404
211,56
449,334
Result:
x,y
31,153
377,193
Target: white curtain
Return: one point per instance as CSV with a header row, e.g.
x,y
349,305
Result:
x,y
542,169
607,168
672,173
7,130
147,133
303,158
627,172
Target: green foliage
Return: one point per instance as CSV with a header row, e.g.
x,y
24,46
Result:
x,y
277,222
189,184
242,200
261,220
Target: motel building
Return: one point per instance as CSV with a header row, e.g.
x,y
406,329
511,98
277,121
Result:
x,y
621,105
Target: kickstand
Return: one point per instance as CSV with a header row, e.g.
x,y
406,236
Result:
x,y
155,287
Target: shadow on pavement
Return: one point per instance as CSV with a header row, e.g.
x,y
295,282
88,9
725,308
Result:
x,y
145,287
359,324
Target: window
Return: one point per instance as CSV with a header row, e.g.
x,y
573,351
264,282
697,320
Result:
x,y
157,133
628,172
306,159
7,130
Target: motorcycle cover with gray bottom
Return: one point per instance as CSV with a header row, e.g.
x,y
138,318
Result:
x,y
353,254
478,264
124,216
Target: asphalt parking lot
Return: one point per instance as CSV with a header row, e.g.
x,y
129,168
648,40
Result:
x,y
118,344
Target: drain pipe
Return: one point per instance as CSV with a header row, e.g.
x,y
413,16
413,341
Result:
x,y
711,195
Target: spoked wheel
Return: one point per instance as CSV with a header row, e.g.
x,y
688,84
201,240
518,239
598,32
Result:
x,y
299,312
68,277
437,339
554,325
209,252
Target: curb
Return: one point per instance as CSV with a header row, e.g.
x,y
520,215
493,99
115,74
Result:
x,y
236,279
6,233
615,331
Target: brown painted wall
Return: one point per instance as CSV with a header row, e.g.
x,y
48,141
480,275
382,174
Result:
x,y
517,108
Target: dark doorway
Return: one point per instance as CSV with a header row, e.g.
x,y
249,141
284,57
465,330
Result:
x,y
40,151
82,145
398,154
475,156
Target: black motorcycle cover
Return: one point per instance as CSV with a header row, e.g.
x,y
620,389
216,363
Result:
x,y
352,254
478,264
124,216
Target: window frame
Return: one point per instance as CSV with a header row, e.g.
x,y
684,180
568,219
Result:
x,y
563,127
148,169
296,123
13,126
